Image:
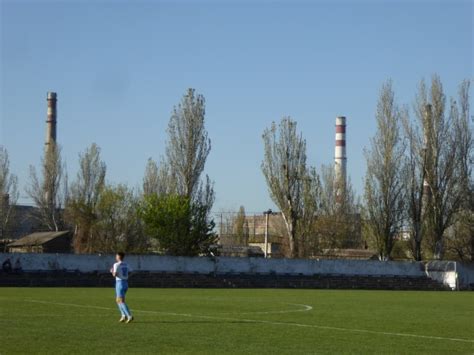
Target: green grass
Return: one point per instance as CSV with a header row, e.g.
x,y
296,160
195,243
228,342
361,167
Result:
x,y
64,320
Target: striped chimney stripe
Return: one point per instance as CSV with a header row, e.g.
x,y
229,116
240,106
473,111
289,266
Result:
x,y
340,129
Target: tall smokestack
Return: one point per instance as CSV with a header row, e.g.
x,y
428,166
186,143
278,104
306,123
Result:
x,y
51,120
427,131
340,159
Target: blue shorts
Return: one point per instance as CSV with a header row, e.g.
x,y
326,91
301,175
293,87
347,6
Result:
x,y
121,287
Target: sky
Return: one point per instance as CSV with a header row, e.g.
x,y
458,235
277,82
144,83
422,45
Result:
x,y
119,68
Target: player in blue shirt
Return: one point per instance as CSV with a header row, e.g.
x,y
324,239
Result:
x,y
120,271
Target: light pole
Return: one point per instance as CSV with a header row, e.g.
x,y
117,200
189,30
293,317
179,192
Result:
x,y
267,214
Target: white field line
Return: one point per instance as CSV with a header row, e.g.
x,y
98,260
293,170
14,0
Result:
x,y
303,308
301,325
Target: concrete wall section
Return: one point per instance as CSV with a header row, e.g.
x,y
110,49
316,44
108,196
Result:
x,y
465,276
311,267
450,273
102,263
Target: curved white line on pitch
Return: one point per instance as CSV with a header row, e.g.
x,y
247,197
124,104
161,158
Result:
x,y
287,324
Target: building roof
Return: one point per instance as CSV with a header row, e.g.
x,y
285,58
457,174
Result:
x,y
36,239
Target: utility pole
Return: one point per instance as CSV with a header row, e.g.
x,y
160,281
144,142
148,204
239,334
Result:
x,y
267,215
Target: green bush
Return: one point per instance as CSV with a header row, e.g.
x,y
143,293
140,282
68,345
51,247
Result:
x,y
180,226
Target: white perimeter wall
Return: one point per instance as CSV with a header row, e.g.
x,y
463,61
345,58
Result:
x,y
465,274
448,272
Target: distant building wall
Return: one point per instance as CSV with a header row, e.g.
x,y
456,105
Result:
x,y
450,273
273,249
255,224
329,232
57,245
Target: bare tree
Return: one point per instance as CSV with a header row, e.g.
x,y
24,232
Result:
x,y
287,176
330,205
466,161
384,192
338,225
241,227
448,145
48,194
118,226
81,209
461,238
463,136
151,180
158,179
309,206
188,143
414,169
8,193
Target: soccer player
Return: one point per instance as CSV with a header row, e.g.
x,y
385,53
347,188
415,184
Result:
x,y
120,271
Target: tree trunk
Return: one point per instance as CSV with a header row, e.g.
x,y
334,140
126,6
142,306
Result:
x,y
439,248
294,252
289,223
472,247
417,250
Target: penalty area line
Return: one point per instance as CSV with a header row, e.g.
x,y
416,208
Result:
x,y
300,325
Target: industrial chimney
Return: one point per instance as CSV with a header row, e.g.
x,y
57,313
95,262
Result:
x,y
51,120
340,159
428,154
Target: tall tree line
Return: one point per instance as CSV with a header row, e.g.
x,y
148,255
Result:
x,y
105,217
419,177
418,183
170,214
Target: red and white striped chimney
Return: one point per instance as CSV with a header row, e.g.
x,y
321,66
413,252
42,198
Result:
x,y
340,159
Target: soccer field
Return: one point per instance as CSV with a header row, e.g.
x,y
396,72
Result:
x,y
222,321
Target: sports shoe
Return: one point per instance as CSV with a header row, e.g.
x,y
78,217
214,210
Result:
x,y
129,319
123,319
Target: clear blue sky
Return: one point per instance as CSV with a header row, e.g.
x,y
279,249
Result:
x,y
119,68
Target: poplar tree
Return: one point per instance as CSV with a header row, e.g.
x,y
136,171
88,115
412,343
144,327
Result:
x,y
384,189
